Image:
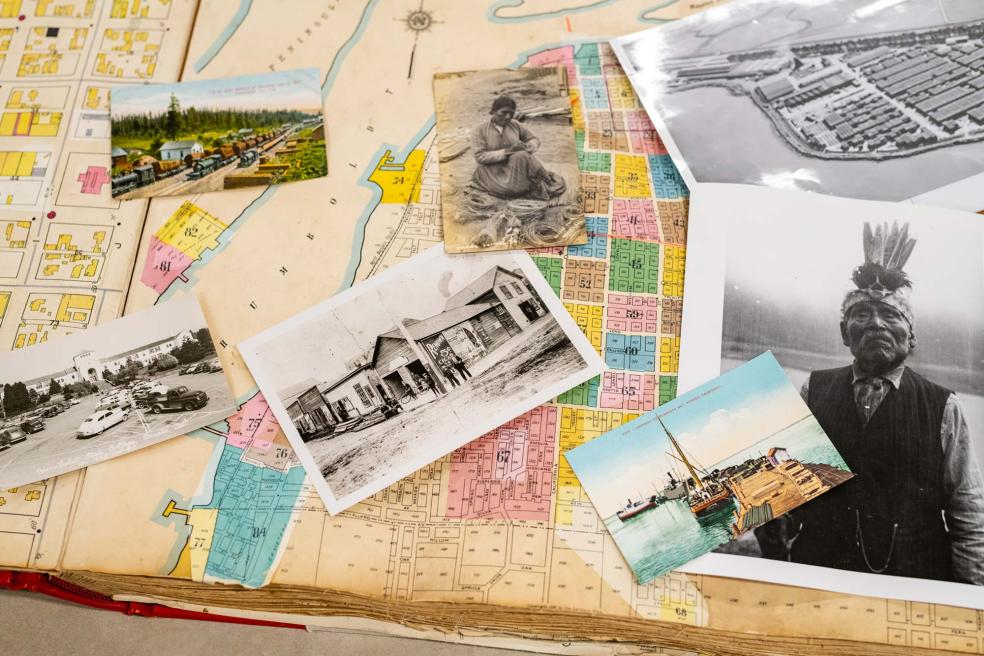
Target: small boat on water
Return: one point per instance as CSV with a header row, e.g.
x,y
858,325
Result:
x,y
633,508
705,494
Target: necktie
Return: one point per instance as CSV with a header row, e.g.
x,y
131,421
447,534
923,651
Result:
x,y
871,391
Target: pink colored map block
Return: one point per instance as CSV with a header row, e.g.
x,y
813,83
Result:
x,y
164,265
507,473
93,179
634,218
563,56
642,135
633,314
253,425
624,391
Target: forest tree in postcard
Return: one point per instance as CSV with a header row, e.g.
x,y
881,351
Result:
x,y
208,135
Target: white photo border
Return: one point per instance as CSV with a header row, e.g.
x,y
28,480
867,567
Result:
x,y
594,366
711,212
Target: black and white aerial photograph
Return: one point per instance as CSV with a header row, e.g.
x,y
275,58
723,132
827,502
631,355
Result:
x,y
509,171
876,313
403,368
880,100
109,390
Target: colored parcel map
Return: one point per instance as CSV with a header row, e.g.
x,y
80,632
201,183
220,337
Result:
x,y
67,249
501,520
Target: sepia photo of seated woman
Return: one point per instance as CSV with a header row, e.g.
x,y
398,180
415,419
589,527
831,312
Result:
x,y
507,167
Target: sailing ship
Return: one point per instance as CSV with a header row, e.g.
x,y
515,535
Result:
x,y
705,495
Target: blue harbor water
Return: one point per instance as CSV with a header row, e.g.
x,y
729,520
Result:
x,y
668,536
658,540
746,148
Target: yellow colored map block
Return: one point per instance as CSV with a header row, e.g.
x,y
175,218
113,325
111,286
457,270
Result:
x,y
191,230
578,426
10,8
631,176
4,302
577,114
674,260
669,355
30,124
14,163
15,233
400,183
589,319
202,522
139,8
75,308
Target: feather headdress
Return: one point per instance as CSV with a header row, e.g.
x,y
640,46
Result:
x,y
885,253
882,278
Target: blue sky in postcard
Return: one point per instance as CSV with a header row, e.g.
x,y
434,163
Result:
x,y
712,422
295,89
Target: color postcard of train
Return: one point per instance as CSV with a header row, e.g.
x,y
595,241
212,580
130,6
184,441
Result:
x,y
209,135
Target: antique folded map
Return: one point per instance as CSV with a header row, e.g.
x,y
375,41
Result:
x,y
500,524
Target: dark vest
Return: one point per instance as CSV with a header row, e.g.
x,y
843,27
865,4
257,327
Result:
x,y
889,517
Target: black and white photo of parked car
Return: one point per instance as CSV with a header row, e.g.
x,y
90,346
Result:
x,y
109,390
393,373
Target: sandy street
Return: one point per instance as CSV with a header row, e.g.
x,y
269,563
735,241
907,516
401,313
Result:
x,y
354,459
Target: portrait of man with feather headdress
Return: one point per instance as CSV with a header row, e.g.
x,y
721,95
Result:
x,y
916,505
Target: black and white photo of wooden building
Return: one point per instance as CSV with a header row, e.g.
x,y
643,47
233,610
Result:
x,y
387,379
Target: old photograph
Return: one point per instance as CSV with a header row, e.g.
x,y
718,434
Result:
x,y
885,105
707,467
876,312
109,390
208,135
509,172
403,368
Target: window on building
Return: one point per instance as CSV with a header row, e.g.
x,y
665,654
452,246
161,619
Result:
x,y
519,290
363,395
505,290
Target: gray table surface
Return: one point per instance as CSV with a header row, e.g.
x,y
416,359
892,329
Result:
x,y
35,625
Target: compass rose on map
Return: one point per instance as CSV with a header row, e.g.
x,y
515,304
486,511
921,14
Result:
x,y
418,20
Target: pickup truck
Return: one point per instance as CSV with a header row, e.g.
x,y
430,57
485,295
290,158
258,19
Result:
x,y
178,398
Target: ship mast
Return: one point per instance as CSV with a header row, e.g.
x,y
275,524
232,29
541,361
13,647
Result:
x,y
683,457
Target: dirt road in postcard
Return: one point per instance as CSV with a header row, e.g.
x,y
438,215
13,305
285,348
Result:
x,y
351,460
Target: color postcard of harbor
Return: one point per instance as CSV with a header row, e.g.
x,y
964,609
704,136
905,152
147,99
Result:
x,y
707,467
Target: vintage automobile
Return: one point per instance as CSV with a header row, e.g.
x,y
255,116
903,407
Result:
x,y
97,422
11,435
188,369
49,411
147,389
122,402
32,424
206,367
178,398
